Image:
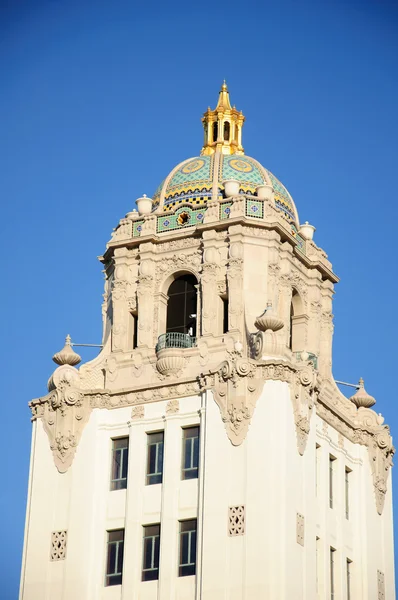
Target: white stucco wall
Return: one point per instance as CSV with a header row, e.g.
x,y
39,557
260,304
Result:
x,y
265,474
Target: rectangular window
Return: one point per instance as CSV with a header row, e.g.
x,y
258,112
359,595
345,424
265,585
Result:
x,y
225,325
331,479
347,492
120,458
317,565
154,470
332,575
187,564
190,453
114,561
151,551
134,316
348,576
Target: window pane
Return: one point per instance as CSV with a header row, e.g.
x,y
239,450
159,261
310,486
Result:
x,y
151,548
187,564
119,463
155,458
114,561
190,460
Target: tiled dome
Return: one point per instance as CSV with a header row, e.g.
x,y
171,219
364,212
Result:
x,y
199,180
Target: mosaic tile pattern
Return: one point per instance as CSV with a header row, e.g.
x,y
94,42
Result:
x,y
182,218
282,198
255,208
244,170
225,210
137,228
300,241
192,183
156,196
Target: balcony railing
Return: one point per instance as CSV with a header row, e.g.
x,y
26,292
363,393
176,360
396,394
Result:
x,y
175,339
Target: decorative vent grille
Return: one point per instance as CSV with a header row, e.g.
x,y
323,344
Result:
x,y
236,520
300,529
58,545
381,590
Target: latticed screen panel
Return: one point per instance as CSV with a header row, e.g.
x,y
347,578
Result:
x,y
381,590
300,529
58,545
236,520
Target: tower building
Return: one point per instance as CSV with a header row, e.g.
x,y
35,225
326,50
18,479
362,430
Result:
x,y
207,452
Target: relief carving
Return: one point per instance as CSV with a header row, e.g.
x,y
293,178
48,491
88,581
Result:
x,y
64,412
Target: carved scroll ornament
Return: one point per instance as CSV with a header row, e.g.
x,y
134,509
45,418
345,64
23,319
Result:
x,y
64,412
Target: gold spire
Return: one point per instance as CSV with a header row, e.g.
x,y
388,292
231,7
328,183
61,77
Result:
x,y
223,126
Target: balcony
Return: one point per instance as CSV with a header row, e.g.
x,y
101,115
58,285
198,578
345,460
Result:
x,y
174,339
170,352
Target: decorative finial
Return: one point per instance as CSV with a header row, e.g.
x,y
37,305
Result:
x,y
67,356
224,87
361,398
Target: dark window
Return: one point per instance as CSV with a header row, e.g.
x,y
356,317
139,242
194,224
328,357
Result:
x,y
154,470
182,305
120,457
291,327
135,330
187,564
225,324
190,452
114,562
226,130
150,554
215,132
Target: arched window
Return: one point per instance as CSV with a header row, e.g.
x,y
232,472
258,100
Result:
x,y
226,130
215,132
182,305
297,323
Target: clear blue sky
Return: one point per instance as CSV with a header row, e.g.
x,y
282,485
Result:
x,y
99,100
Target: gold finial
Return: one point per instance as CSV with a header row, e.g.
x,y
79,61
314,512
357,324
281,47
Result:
x,y
223,126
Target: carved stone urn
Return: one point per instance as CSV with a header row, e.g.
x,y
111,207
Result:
x,y
231,187
268,320
170,361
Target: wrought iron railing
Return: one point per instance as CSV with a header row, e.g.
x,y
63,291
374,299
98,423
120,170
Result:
x,y
174,339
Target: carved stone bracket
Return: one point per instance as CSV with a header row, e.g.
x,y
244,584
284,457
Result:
x,y
361,426
64,412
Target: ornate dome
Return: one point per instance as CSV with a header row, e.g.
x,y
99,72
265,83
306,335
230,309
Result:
x,y
198,180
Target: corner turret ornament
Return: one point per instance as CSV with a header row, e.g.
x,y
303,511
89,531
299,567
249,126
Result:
x,y
361,397
64,411
67,356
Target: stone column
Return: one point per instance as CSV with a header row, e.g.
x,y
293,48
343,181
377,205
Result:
x,y
169,514
134,510
326,335
211,260
235,281
145,294
119,302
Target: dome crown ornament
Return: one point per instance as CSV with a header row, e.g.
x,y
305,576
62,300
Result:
x,y
223,127
361,398
67,356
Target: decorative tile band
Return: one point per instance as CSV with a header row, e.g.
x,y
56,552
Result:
x,y
182,218
254,208
137,228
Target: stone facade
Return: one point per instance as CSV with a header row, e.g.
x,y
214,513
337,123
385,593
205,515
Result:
x,y
263,394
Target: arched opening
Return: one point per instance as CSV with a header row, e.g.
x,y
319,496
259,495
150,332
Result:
x,y
236,132
215,132
297,323
226,131
182,306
